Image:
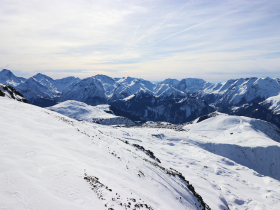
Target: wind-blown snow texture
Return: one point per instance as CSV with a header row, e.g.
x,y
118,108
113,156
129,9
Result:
x,y
50,161
252,97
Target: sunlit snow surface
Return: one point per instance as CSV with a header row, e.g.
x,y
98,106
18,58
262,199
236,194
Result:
x,y
82,111
44,157
231,161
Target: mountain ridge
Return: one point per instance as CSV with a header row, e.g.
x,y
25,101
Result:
x,y
233,96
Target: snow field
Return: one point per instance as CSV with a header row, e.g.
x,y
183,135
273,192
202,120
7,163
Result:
x,y
82,111
49,161
233,171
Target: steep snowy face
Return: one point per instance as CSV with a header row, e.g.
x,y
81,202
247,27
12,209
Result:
x,y
245,97
11,93
125,89
191,85
50,161
121,84
237,92
171,92
32,89
64,83
171,82
99,114
125,80
47,82
150,108
273,104
109,84
7,77
43,79
160,88
89,90
55,86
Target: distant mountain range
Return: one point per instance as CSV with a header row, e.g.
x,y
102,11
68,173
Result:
x,y
170,100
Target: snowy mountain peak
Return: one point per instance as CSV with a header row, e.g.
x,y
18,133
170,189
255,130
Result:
x,y
6,72
7,77
171,92
144,92
192,81
32,80
89,90
40,77
191,85
125,80
104,78
169,81
140,94
136,80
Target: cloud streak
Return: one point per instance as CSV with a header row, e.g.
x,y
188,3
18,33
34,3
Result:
x,y
194,26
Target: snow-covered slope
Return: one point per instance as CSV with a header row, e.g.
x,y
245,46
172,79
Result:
x,y
50,161
55,86
191,85
239,91
171,92
248,142
169,81
62,84
109,84
36,93
11,93
232,161
82,111
273,104
47,82
89,90
128,86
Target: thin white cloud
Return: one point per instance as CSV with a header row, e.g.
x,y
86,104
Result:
x,y
194,26
149,38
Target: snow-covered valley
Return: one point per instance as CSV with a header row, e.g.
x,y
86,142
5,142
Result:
x,y
50,161
229,160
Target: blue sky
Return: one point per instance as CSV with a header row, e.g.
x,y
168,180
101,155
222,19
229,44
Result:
x,y
153,39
